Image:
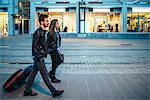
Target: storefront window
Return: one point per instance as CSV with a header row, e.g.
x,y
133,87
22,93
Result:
x,y
3,23
138,22
67,20
103,22
114,22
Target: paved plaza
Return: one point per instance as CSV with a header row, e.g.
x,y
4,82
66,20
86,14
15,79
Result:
x,y
94,69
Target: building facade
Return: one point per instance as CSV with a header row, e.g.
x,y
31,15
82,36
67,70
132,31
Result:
x,y
90,16
8,17
24,13
14,17
76,16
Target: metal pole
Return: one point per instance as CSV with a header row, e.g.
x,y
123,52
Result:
x,y
79,18
84,20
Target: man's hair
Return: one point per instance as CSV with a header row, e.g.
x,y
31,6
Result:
x,y
42,17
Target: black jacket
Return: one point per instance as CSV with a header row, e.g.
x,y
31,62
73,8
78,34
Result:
x,y
39,44
52,42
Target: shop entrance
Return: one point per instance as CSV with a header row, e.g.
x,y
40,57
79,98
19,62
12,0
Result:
x,y
24,26
82,22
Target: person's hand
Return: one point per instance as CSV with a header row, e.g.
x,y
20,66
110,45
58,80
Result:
x,y
55,47
42,52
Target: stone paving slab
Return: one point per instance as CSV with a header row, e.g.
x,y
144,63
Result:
x,y
86,68
94,69
25,40
89,87
82,60
81,51
81,56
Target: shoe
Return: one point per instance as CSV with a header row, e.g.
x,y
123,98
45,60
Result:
x,y
29,93
57,93
51,75
55,80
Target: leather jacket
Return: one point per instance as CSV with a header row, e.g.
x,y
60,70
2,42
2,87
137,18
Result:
x,y
39,44
52,42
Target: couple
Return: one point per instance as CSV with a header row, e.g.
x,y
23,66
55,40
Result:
x,y
44,43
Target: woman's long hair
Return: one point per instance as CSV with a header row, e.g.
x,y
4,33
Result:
x,y
52,27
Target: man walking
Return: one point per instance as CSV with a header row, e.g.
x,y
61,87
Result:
x,y
39,52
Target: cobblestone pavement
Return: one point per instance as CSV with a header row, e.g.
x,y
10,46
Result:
x,y
94,69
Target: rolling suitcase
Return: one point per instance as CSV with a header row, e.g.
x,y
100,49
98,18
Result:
x,y
17,79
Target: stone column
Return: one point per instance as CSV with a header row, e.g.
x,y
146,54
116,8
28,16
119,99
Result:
x,y
139,23
107,22
32,18
11,29
77,19
124,13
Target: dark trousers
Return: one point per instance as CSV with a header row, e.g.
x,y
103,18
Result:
x,y
56,61
39,65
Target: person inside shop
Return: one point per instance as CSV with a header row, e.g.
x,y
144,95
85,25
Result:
x,y
99,28
65,29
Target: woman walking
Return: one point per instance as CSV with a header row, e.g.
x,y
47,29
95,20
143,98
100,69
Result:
x,y
54,44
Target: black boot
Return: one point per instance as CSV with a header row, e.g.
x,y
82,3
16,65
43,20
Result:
x,y
29,93
57,93
51,75
53,78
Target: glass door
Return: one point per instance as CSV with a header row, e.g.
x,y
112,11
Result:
x,y
82,19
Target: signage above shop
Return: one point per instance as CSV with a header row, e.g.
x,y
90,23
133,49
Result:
x,y
141,9
101,10
57,10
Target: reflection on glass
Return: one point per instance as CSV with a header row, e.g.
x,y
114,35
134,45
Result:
x,y
66,20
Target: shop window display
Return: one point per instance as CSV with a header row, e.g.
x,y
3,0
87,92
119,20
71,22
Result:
x,y
3,23
103,22
138,22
